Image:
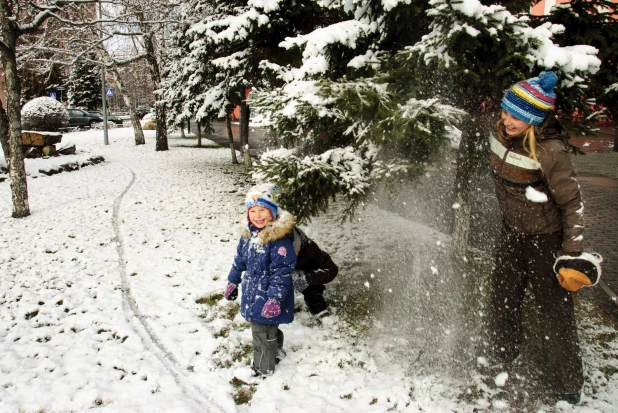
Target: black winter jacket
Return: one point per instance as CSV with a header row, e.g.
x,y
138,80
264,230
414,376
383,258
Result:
x,y
317,264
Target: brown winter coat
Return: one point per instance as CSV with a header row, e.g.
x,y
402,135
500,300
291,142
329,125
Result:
x,y
514,171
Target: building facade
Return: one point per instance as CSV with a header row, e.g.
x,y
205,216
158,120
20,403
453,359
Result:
x,y
544,6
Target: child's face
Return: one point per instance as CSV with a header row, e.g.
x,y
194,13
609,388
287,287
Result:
x,y
259,216
512,125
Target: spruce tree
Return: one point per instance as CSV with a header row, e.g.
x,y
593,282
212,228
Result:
x,y
353,94
593,23
479,51
358,84
224,51
84,84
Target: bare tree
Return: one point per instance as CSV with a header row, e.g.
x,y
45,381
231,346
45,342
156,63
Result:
x,y
35,30
12,27
137,127
150,22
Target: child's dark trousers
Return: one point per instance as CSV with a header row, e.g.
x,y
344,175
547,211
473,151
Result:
x,y
314,298
523,260
267,338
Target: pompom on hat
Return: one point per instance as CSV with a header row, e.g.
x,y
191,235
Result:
x,y
264,195
531,100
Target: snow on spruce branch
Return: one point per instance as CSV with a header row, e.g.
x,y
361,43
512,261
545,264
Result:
x,y
266,5
472,18
414,111
344,168
316,44
230,28
346,172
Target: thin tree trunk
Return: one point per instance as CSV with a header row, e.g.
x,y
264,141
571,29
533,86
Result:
x,y
471,135
161,121
230,136
241,137
4,133
161,144
182,131
17,168
137,126
199,134
244,132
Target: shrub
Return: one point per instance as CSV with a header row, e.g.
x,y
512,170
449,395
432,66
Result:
x,y
44,114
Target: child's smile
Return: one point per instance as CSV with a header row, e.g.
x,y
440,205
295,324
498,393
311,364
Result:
x,y
259,216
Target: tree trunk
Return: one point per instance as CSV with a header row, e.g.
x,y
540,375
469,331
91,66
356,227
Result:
x,y
230,135
182,131
466,166
4,133
244,132
199,134
17,169
241,137
161,144
153,64
137,126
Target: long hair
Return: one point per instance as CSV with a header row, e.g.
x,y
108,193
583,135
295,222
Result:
x,y
529,139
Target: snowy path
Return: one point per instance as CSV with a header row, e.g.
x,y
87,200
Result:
x,y
143,329
110,298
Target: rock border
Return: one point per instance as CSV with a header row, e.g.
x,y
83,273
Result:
x,y
65,167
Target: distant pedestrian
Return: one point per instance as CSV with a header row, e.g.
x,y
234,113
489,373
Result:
x,y
264,261
314,268
542,239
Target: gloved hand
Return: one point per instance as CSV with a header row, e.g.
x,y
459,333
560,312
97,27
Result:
x,y
572,280
271,309
575,272
299,280
231,292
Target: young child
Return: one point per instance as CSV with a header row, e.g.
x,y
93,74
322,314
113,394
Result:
x,y
264,261
314,268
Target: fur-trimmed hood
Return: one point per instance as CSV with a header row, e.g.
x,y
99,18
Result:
x,y
274,230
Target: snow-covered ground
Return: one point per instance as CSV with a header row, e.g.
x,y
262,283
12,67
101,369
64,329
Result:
x,y
111,298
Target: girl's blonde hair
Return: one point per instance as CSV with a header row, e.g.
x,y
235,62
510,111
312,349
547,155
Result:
x,y
529,139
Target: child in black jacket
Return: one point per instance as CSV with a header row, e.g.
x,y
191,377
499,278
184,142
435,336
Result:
x,y
314,268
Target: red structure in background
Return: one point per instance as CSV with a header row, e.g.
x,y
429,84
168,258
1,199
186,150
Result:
x,y
236,112
544,6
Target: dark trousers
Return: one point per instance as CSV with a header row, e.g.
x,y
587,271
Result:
x,y
521,259
267,338
314,298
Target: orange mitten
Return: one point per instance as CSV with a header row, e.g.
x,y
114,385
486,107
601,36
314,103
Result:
x,y
572,280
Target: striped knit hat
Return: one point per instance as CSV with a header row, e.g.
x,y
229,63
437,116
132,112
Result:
x,y
530,100
264,195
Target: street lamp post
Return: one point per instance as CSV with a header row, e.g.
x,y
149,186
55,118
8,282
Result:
x,y
103,97
60,89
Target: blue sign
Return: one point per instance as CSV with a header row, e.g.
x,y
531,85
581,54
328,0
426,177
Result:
x,y
109,91
52,95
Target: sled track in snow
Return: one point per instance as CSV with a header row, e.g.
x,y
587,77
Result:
x,y
140,322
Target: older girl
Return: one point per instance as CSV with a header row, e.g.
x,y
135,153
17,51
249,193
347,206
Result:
x,y
542,236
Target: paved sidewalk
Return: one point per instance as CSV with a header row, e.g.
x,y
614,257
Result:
x,y
598,176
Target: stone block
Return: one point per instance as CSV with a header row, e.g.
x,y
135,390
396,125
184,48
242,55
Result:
x,y
50,150
40,139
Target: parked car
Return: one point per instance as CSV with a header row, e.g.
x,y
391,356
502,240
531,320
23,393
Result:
x,y
142,111
78,117
110,118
